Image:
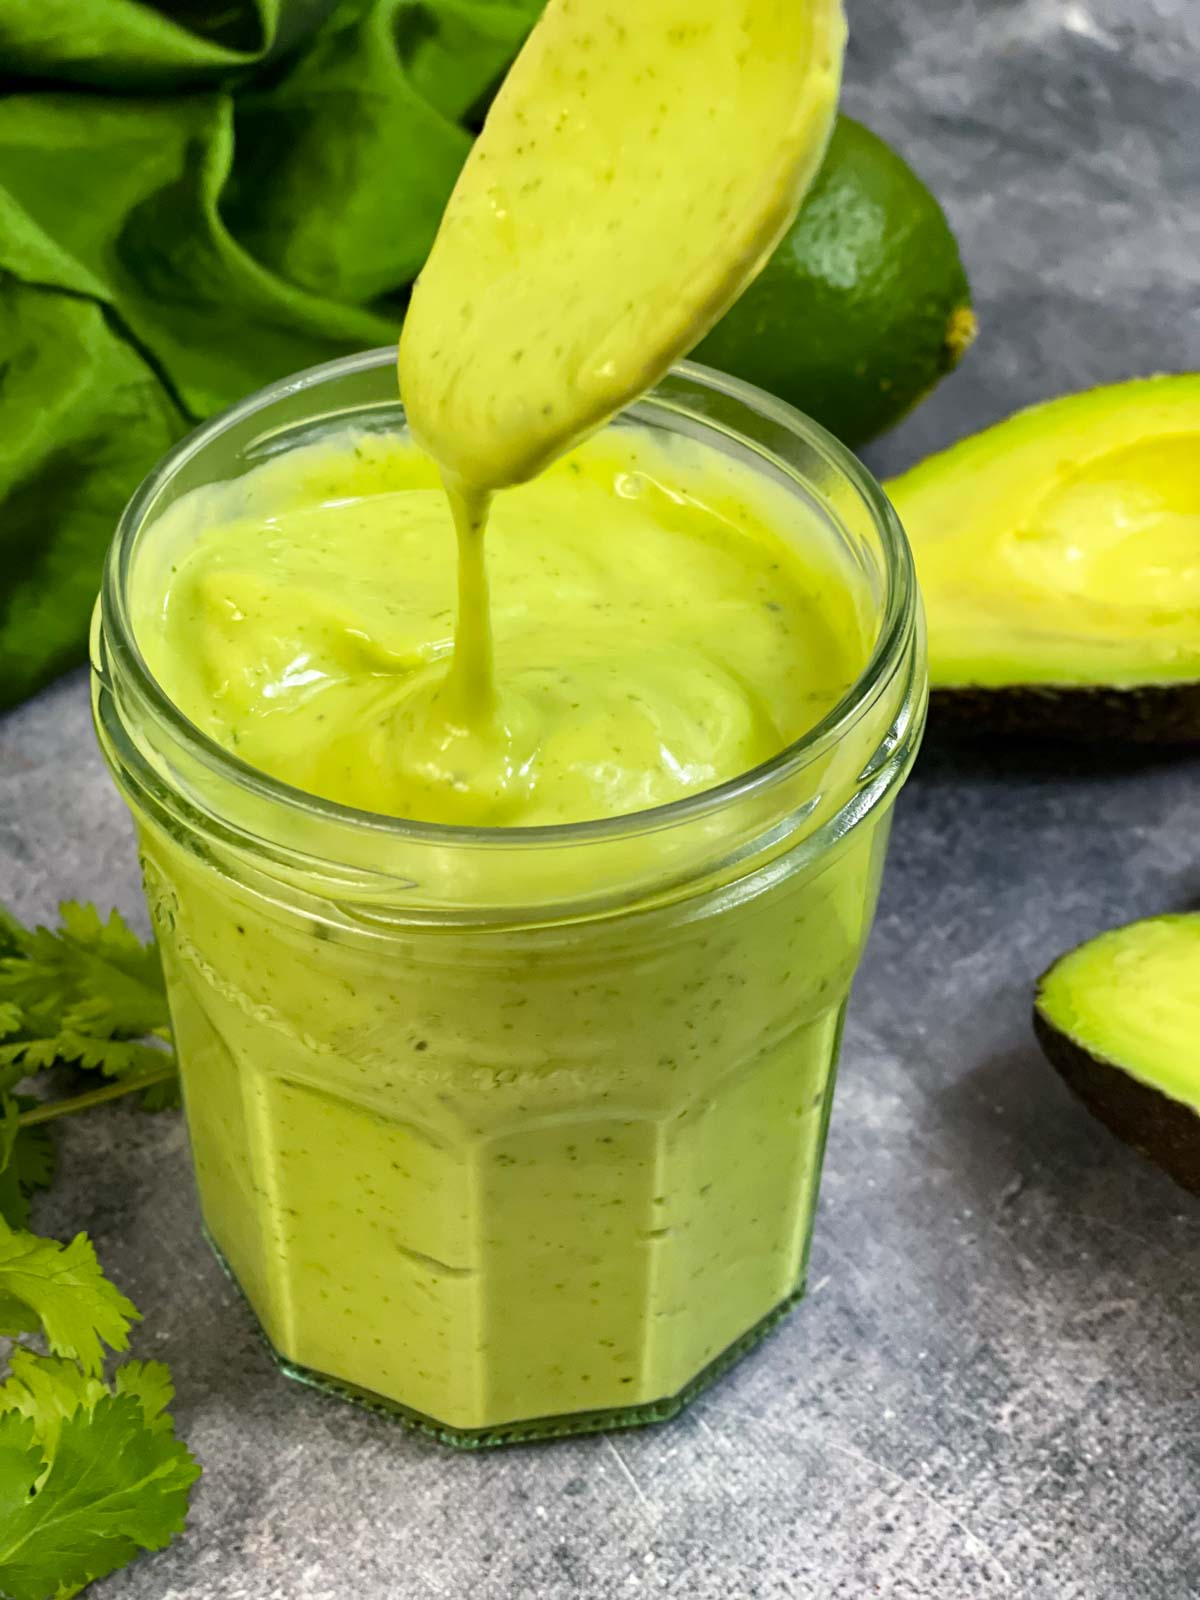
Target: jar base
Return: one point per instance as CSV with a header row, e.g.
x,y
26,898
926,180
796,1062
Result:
x,y
525,1430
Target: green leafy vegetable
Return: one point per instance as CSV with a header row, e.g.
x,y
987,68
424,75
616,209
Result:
x,y
88,1477
194,201
88,994
26,1159
61,1289
91,1472
47,1389
81,993
149,1383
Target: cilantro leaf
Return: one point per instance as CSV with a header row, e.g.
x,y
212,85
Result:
x,y
150,1384
164,1095
85,995
116,1058
89,1474
98,964
21,1460
13,937
26,1161
14,1203
60,1289
32,1155
47,1389
115,1485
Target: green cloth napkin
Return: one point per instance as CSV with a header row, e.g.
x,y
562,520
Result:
x,y
195,200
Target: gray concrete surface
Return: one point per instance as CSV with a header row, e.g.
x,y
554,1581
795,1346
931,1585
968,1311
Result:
x,y
992,1389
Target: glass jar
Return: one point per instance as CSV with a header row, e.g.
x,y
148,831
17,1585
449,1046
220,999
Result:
x,y
515,1132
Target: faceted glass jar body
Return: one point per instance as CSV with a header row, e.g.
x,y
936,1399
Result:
x,y
515,1132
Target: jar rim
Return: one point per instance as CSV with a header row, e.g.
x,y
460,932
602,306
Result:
x,y
898,622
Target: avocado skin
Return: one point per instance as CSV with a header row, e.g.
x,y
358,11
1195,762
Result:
x,y
1162,714
1157,1127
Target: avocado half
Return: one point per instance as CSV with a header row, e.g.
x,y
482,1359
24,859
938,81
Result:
x,y
1119,1018
1059,558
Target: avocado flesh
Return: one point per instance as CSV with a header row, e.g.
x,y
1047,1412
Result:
x,y
1120,1019
1059,557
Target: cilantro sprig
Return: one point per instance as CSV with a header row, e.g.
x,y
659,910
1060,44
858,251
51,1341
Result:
x,y
91,1472
88,994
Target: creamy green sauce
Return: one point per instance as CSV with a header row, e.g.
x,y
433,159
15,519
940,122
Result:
x,y
661,618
